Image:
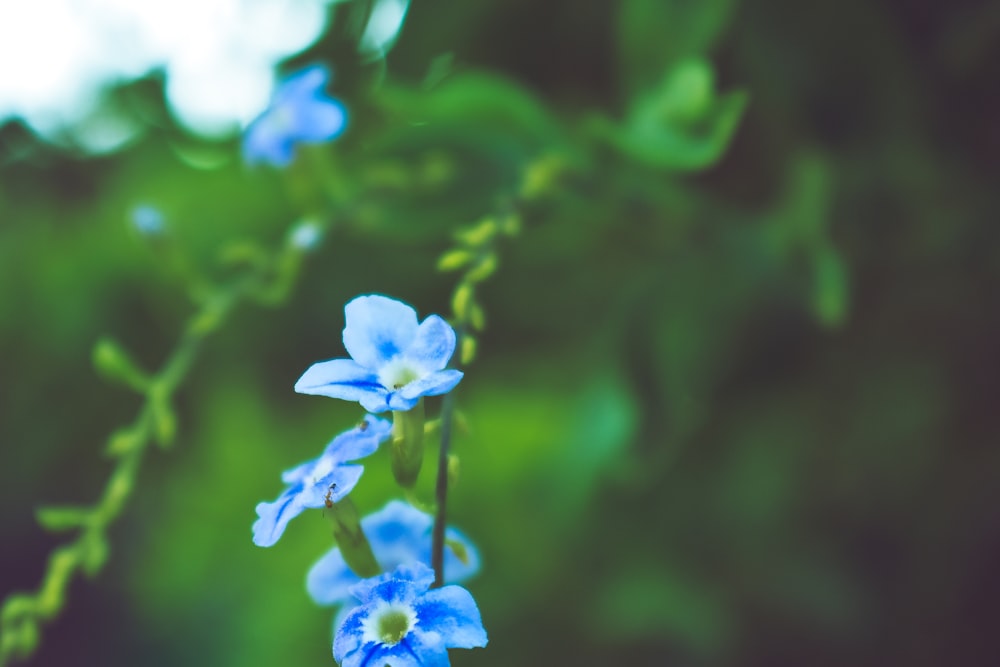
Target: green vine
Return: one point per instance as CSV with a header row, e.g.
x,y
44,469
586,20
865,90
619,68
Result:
x,y
267,280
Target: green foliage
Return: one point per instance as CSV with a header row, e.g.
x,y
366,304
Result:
x,y
733,349
654,35
681,123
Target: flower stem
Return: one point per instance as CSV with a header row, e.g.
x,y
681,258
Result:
x,y
441,492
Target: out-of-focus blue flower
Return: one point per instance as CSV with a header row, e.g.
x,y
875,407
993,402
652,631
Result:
x,y
147,220
313,483
398,533
394,361
401,622
299,112
306,235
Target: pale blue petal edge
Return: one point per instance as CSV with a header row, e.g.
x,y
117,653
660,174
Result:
x,y
433,345
377,329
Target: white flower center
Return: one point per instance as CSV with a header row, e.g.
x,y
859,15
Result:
x,y
388,623
398,373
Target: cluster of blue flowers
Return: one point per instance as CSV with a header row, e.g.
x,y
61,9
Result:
x,y
395,618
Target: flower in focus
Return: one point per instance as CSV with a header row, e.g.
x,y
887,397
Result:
x,y
299,112
394,360
314,483
400,621
398,533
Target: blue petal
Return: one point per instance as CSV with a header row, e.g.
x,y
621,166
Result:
x,y
273,517
379,402
265,140
319,119
329,580
379,655
342,378
298,473
433,345
398,533
451,612
378,328
349,636
398,403
428,647
415,650
338,483
404,583
435,384
359,442
305,83
457,570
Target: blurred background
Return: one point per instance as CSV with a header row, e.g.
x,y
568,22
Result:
x,y
736,399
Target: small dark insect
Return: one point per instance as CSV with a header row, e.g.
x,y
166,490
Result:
x,y
328,500
397,386
363,426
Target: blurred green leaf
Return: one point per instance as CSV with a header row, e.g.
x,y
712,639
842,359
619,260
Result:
x,y
95,553
655,34
62,518
801,216
164,420
454,259
112,361
490,103
681,123
830,287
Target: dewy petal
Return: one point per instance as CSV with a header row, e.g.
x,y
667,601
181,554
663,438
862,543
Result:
x,y
319,119
273,517
342,378
435,384
452,613
378,328
433,346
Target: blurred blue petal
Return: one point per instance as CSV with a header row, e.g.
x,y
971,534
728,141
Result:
x,y
398,533
300,112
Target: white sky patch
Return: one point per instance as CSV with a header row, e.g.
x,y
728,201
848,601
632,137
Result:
x,y
218,56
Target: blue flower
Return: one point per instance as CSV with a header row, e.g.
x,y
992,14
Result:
x,y
299,112
398,533
147,220
401,622
327,478
394,361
